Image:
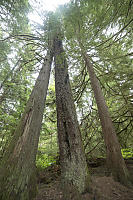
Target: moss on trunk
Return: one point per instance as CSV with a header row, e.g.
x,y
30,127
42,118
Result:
x,y
73,162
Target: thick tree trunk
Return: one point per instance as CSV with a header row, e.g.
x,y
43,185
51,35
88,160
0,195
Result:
x,y
17,170
115,161
73,163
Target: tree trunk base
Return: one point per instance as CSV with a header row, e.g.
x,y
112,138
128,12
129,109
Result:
x,y
70,192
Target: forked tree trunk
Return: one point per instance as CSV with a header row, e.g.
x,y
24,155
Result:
x,y
74,169
115,161
17,170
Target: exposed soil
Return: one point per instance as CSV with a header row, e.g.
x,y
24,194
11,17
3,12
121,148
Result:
x,y
102,186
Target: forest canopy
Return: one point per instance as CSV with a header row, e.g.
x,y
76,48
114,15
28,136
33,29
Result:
x,y
84,49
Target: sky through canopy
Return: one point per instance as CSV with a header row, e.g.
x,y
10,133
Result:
x,y
43,5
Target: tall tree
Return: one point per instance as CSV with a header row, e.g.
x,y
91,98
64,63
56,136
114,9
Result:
x,y
73,162
18,176
115,160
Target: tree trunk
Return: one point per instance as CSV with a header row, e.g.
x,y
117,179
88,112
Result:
x,y
17,170
6,90
74,169
9,74
115,161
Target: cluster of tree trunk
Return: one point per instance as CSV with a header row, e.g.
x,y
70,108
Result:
x,y
18,177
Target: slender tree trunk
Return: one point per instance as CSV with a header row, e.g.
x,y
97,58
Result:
x,y
73,163
115,161
9,74
6,90
17,170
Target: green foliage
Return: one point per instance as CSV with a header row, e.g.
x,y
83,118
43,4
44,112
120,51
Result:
x,y
17,66
105,34
43,161
98,24
48,148
14,16
127,153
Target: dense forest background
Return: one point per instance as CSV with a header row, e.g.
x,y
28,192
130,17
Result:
x,y
104,30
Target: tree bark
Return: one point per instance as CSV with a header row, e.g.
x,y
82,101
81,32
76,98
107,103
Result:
x,y
17,170
115,161
72,157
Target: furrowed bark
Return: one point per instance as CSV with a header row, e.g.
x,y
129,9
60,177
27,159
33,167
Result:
x,y
17,170
73,162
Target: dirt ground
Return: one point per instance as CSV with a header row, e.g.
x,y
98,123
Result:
x,y
102,186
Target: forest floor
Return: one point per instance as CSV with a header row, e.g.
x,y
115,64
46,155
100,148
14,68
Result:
x,y
102,187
